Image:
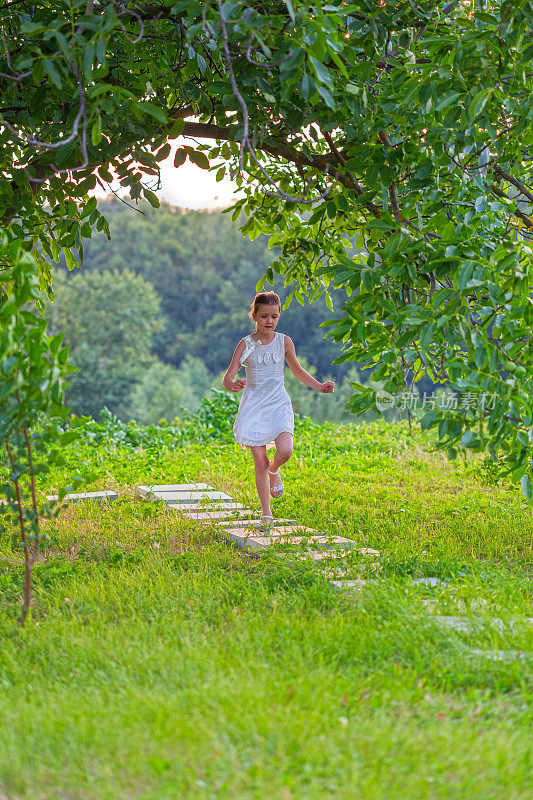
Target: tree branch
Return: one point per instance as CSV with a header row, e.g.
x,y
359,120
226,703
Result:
x,y
515,182
525,219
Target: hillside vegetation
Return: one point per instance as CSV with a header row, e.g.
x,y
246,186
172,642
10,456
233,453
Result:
x,y
160,662
154,315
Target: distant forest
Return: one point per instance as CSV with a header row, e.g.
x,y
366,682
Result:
x,y
153,317
205,272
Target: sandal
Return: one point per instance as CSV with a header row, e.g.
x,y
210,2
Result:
x,y
267,521
277,486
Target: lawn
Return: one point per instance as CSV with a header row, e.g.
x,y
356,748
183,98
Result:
x,y
161,663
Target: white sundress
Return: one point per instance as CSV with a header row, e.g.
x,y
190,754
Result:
x,y
265,408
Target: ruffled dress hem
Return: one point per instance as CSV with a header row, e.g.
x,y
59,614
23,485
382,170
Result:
x,y
246,443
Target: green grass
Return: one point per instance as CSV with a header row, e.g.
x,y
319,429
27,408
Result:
x,y
161,663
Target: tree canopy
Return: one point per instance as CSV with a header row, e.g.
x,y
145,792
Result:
x,y
405,125
109,320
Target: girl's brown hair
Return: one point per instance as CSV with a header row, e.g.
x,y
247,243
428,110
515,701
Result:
x,y
264,298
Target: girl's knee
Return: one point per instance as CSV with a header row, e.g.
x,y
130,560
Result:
x,y
284,453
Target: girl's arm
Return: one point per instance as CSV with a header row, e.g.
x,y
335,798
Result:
x,y
234,367
299,372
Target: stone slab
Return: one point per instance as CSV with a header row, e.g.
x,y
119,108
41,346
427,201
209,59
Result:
x,y
318,555
106,496
248,521
224,517
369,551
467,624
147,491
186,496
185,508
283,530
431,581
250,540
502,655
287,531
354,585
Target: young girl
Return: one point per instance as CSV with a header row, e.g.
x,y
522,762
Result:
x,y
265,411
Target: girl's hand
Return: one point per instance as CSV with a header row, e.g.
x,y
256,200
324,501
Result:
x,y
237,385
327,387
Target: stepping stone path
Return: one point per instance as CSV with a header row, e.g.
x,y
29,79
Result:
x,y
240,526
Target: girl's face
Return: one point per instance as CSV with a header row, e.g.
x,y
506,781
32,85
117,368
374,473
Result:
x,y
266,318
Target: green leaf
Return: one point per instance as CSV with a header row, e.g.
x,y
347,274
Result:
x,y
152,198
51,71
322,73
179,157
289,9
32,28
391,245
478,103
90,206
199,158
176,129
527,487
446,99
100,50
70,260
424,92
424,169
154,111
426,336
466,438
96,133
465,273
162,153
326,95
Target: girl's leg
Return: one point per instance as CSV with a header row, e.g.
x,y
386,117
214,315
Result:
x,y
282,454
261,477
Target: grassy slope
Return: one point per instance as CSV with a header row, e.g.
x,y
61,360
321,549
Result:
x,y
160,663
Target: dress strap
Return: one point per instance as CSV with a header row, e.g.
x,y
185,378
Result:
x,y
249,347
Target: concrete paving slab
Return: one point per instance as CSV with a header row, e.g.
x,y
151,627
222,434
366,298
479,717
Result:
x,y
369,551
186,507
318,555
467,624
249,541
428,581
219,514
288,530
329,555
502,655
278,530
178,497
354,585
248,521
173,487
106,496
